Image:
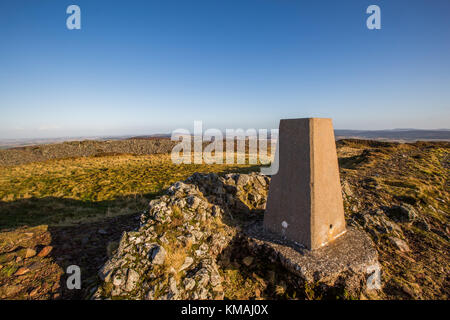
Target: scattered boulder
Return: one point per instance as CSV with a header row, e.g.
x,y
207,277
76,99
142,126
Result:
x,y
189,284
377,224
30,253
132,280
187,263
157,254
346,189
402,213
45,251
21,271
399,244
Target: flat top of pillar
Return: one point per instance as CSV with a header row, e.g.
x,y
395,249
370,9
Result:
x,y
307,119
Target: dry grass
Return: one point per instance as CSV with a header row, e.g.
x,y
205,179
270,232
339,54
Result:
x,y
68,190
176,255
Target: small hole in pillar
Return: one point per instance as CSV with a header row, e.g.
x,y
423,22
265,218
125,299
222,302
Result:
x,y
331,226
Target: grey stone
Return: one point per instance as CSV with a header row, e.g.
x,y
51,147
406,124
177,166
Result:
x,y
347,189
132,280
173,286
203,281
193,202
242,180
202,277
107,269
187,263
118,280
157,254
215,278
399,244
189,284
203,294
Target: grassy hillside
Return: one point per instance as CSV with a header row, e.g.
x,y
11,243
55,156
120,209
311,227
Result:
x,y
398,193
68,190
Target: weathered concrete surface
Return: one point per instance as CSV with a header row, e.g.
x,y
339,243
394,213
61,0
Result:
x,y
305,200
347,261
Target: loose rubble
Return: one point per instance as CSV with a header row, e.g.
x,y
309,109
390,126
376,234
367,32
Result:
x,y
172,255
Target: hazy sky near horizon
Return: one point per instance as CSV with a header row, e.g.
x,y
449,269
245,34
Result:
x,y
142,67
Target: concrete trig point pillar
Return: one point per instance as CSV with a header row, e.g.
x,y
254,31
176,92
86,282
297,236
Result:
x,y
305,200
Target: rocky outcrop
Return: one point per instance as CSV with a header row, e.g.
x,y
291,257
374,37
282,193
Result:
x,y
173,253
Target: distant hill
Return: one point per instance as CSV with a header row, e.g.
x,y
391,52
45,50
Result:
x,y
407,135
395,134
14,143
86,148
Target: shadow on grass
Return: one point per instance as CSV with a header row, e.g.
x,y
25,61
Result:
x,y
62,210
79,233
86,246
353,162
53,210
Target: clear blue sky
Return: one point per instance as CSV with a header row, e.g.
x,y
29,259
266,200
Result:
x,y
140,67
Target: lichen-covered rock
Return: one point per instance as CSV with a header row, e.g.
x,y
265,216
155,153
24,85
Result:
x,y
173,253
157,254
